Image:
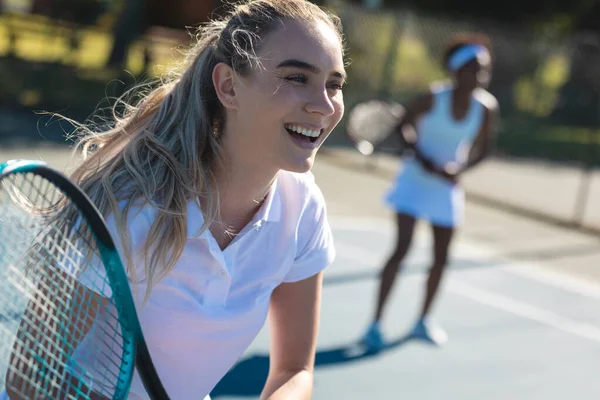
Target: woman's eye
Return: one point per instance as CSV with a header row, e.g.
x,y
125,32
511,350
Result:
x,y
297,78
335,86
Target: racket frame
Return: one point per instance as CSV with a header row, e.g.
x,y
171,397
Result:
x,y
134,345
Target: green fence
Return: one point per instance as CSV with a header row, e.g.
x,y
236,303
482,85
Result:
x,y
548,86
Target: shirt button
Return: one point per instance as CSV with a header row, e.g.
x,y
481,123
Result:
x,y
222,273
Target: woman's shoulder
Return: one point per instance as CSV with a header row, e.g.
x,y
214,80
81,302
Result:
x,y
425,101
139,218
301,188
300,182
440,86
487,99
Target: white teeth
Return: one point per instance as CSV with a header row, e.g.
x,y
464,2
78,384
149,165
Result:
x,y
303,131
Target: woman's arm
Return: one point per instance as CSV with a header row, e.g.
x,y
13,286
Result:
x,y
485,139
408,133
293,325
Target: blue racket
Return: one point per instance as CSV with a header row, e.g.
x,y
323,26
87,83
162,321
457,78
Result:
x,y
68,324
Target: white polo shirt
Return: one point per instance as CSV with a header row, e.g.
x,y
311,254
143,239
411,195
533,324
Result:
x,y
203,315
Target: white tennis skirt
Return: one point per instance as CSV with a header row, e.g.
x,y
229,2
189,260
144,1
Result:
x,y
425,196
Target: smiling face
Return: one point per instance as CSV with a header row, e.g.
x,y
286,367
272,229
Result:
x,y
282,111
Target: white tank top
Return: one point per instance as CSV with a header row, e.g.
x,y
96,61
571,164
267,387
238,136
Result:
x,y
442,138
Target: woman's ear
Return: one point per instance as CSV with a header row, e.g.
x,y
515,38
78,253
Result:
x,y
223,78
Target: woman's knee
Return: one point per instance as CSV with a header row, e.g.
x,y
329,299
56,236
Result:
x,y
400,251
393,262
439,265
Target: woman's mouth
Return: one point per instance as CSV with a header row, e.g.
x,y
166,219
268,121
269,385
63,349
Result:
x,y
303,133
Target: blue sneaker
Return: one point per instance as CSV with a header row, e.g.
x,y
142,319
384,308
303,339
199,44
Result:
x,y
373,339
429,332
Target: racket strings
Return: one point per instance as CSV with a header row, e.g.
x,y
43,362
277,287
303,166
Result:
x,y
371,122
58,338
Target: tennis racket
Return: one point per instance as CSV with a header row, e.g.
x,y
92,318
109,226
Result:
x,y
68,324
371,122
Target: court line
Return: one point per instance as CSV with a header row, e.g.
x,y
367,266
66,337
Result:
x,y
366,257
524,310
527,270
488,298
538,273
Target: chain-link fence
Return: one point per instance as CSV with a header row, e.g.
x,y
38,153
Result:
x,y
548,86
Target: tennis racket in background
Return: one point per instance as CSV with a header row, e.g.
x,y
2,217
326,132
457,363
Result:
x,y
68,324
370,123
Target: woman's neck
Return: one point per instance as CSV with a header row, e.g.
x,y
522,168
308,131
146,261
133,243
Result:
x,y
461,99
242,191
462,93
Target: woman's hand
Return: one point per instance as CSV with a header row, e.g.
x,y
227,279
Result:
x,y
451,172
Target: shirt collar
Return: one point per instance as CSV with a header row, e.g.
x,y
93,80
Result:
x,y
270,211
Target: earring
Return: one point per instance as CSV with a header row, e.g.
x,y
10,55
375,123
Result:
x,y
216,128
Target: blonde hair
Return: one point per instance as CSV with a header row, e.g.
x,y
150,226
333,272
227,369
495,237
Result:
x,y
163,152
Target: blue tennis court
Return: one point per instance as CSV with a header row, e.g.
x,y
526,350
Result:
x,y
517,331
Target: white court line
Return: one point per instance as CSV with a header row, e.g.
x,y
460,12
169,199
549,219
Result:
x,y
557,279
524,310
536,272
485,297
527,270
366,257
380,225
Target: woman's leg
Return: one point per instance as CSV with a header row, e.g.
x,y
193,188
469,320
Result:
x,y
405,226
404,232
442,238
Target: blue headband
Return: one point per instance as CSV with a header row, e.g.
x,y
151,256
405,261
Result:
x,y
468,53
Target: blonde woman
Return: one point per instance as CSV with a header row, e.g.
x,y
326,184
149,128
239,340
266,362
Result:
x,y
207,185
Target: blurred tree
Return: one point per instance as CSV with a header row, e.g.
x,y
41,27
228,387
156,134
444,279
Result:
x,y
82,12
579,98
587,16
507,10
137,16
72,14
